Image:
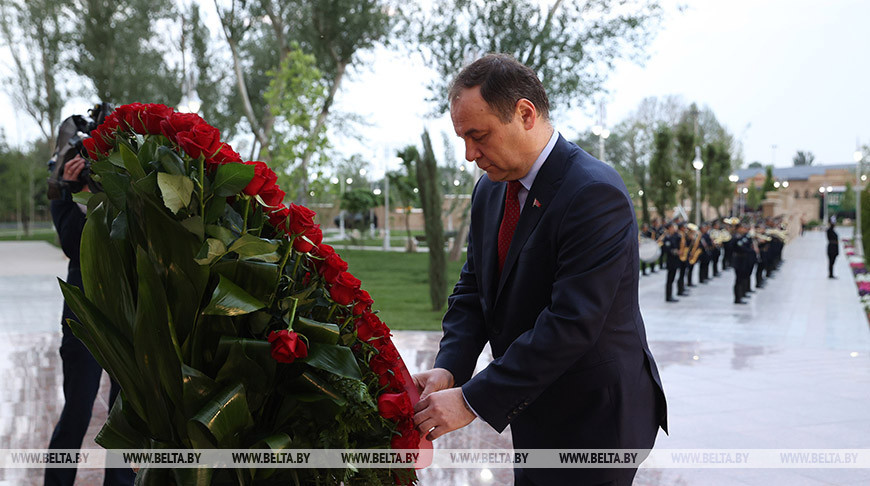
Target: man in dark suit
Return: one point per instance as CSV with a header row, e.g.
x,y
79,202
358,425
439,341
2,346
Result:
x,y
550,282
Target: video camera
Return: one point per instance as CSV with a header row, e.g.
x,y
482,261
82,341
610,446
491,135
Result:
x,y
71,133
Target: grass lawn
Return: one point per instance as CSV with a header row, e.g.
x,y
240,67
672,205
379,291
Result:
x,y
35,235
399,285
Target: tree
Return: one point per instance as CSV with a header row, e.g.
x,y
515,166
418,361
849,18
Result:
x,y
714,177
430,197
753,197
262,34
35,35
661,189
847,203
755,165
402,189
120,50
803,158
570,45
768,185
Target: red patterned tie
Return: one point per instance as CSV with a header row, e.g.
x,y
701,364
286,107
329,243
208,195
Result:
x,y
508,221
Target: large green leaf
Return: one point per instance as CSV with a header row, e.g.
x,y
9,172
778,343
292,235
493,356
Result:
x,y
249,246
338,360
226,236
118,432
111,348
250,362
131,162
319,332
198,387
176,190
195,226
106,273
156,347
148,151
257,278
229,299
231,179
312,383
115,186
221,418
170,161
82,197
211,250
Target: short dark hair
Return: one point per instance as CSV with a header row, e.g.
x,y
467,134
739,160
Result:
x,y
503,81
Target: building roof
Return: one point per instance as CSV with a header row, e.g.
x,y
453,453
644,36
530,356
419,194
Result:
x,y
797,173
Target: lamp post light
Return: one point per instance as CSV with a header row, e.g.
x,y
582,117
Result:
x,y
602,134
698,164
341,232
745,191
859,159
733,178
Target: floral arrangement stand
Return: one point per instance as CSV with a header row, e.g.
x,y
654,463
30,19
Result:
x,y
222,315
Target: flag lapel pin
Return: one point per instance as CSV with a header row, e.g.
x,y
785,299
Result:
x,y
536,203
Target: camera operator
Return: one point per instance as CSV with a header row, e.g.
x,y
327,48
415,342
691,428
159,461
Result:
x,y
81,372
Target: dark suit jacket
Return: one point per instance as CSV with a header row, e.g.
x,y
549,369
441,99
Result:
x,y
571,368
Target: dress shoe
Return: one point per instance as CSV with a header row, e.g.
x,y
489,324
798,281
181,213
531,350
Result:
x,y
683,294
671,300
739,302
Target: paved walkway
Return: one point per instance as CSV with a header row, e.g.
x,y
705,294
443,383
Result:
x,y
789,370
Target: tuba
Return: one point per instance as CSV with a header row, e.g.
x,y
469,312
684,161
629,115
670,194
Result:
x,y
696,249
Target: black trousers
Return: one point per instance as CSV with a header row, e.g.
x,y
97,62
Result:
x,y
669,285
81,382
831,259
689,274
759,274
704,269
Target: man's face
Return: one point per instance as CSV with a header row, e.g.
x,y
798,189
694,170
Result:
x,y
499,149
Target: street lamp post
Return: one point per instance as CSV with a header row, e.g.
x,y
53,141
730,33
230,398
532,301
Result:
x,y
341,233
859,159
698,164
602,134
743,201
733,178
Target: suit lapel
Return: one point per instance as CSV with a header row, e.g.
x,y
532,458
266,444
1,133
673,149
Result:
x,y
543,191
489,238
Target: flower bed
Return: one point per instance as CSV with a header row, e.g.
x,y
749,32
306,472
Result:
x,y
222,315
859,270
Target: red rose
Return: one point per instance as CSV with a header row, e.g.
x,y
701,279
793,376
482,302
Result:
x,y
287,346
225,155
322,252
309,240
131,115
395,406
278,217
179,122
273,196
200,140
392,380
261,174
364,302
369,326
408,437
101,141
91,146
332,267
154,114
301,219
344,289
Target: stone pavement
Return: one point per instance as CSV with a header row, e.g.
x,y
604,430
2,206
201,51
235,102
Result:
x,y
789,370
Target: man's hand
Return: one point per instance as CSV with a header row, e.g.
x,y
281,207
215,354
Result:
x,y
73,168
441,412
431,381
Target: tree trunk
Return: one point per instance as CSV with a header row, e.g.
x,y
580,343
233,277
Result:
x,y
427,181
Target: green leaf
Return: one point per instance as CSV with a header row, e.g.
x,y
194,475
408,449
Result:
x,y
222,417
148,150
118,432
176,190
319,332
112,349
156,347
170,161
116,159
214,209
311,382
211,250
226,236
82,197
250,246
250,362
131,163
197,388
119,226
231,179
115,186
229,299
106,273
337,360
194,225
257,278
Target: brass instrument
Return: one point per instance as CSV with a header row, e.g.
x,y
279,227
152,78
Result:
x,y
696,250
720,236
684,250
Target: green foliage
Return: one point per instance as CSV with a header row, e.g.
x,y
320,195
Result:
x,y
753,198
865,219
568,44
803,158
359,201
848,200
662,190
295,93
430,197
119,45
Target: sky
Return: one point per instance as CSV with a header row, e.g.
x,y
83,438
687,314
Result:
x,y
782,76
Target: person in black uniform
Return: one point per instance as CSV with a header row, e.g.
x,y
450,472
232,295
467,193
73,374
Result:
x,y
728,247
706,254
833,248
743,258
670,250
717,251
763,256
81,372
683,258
